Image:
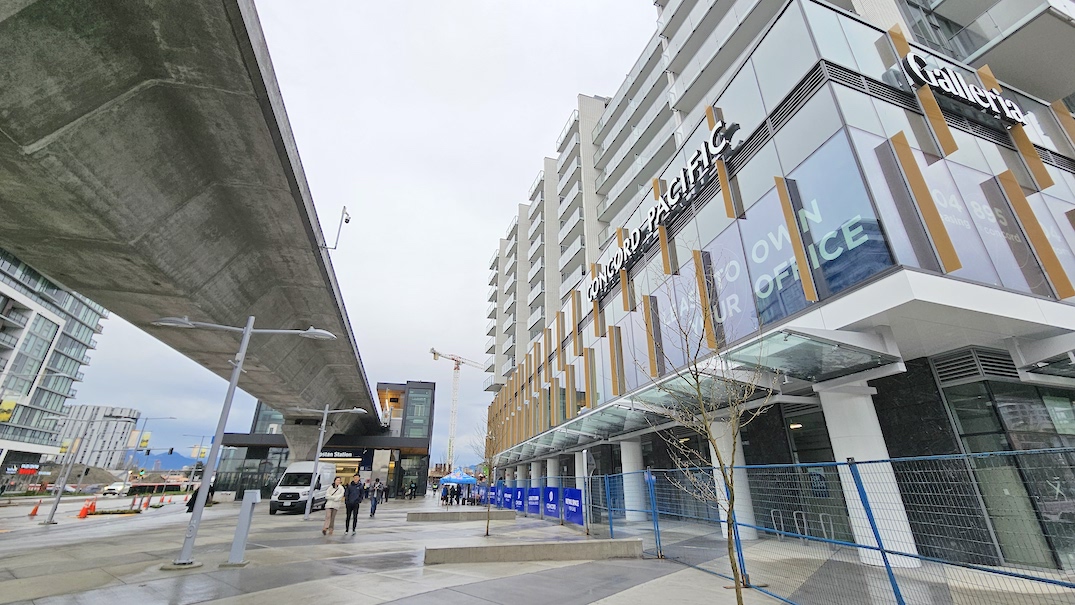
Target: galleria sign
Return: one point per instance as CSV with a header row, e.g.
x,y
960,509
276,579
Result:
x,y
952,84
670,204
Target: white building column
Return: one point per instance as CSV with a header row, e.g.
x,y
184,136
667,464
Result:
x,y
580,470
634,483
855,432
537,470
522,473
744,504
552,472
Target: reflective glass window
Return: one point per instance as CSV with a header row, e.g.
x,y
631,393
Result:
x,y
771,260
811,126
756,177
843,238
783,57
733,300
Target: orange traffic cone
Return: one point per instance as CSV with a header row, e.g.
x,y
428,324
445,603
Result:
x,y
161,503
33,513
169,499
186,498
93,506
145,503
85,510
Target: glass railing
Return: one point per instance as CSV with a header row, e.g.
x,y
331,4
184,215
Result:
x,y
572,151
686,29
569,253
512,227
535,207
639,131
507,367
509,342
570,223
992,24
509,301
535,246
572,173
538,265
8,340
535,292
621,93
492,379
490,345
16,318
713,44
491,311
535,317
493,261
621,124
570,281
568,199
572,124
537,181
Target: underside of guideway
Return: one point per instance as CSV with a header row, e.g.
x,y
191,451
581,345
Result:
x,y
146,161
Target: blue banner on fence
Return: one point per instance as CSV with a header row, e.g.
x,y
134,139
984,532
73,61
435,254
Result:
x,y
551,502
533,500
573,506
504,500
520,499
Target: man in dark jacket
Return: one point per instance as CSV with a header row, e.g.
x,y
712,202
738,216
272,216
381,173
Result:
x,y
352,497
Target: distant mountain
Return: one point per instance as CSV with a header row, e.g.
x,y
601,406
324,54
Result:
x,y
168,462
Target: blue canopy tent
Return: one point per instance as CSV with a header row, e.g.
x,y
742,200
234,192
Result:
x,y
458,476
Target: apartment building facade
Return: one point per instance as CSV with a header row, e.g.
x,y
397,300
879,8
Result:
x,y
46,333
97,435
881,233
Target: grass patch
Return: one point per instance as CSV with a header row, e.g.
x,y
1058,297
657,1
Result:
x,y
118,511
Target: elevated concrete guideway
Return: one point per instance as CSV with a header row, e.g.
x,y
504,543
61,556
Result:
x,y
147,162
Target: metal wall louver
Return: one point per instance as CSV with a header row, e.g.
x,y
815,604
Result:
x,y
973,364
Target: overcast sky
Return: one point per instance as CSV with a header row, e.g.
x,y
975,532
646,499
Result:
x,y
429,121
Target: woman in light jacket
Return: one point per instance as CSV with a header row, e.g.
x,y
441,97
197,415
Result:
x,y
334,499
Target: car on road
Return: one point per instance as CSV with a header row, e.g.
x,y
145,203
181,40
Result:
x,y
116,489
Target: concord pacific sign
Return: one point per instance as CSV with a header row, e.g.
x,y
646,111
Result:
x,y
952,84
669,206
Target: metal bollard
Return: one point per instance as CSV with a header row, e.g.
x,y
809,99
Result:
x,y
242,529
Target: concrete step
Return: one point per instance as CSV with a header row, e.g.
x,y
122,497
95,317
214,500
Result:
x,y
461,515
581,550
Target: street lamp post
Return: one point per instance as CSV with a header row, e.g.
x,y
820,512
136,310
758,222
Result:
x,y
185,560
74,456
320,443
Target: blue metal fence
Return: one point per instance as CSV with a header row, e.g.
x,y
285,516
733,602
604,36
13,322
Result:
x,y
991,528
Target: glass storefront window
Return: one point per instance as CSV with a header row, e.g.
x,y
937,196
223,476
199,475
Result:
x,y
811,126
755,178
733,299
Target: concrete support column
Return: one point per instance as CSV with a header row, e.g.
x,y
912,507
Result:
x,y
744,504
522,473
552,472
509,477
536,472
580,470
302,441
855,432
634,483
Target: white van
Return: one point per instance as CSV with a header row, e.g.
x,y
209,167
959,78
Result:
x,y
294,487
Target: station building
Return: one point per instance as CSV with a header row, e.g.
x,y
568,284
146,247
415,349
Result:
x,y
397,455
874,226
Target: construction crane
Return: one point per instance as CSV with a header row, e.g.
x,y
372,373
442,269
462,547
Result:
x,y
455,398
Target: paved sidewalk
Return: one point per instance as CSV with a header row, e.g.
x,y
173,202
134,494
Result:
x,y
117,560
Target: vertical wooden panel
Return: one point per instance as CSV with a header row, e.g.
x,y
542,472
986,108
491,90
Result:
x,y
1066,121
1036,234
570,392
615,349
725,188
668,252
576,321
806,276
598,319
556,405
1030,157
927,207
899,41
560,337
626,291
651,343
588,377
552,350
703,300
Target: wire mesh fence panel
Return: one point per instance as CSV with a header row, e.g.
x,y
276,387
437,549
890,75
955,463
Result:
x,y
961,529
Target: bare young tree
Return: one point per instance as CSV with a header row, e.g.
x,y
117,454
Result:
x,y
485,447
710,396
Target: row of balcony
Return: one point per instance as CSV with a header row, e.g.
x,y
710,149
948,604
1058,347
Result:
x,y
572,252
535,247
494,261
14,319
538,265
535,292
535,317
657,122
490,346
612,110
493,383
570,225
8,340
571,150
568,200
571,280
534,186
572,172
535,223
637,174
651,92
572,127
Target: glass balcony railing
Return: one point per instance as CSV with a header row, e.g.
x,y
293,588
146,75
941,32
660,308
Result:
x,y
8,340
572,126
614,106
537,266
535,317
491,311
570,223
569,199
509,302
535,246
533,186
490,346
993,23
645,97
572,173
571,150
535,224
570,281
535,292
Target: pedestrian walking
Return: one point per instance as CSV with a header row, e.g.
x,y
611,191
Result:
x,y
333,499
414,488
352,498
376,493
